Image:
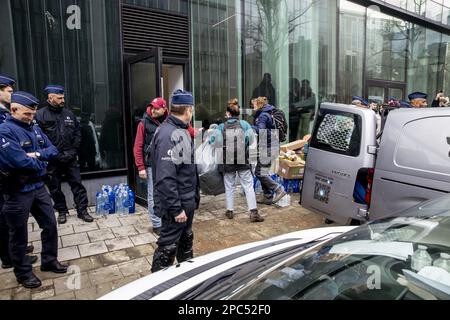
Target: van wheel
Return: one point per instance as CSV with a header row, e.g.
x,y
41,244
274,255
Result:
x,y
355,222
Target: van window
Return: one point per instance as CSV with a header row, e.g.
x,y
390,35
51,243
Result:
x,y
338,132
424,146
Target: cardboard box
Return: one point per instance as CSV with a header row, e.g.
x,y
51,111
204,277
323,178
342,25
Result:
x,y
293,146
290,169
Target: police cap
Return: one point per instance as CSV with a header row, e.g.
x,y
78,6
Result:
x,y
417,95
7,81
25,99
181,97
54,89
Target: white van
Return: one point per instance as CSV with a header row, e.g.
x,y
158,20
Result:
x,y
349,178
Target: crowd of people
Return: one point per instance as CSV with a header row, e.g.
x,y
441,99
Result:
x,y
39,145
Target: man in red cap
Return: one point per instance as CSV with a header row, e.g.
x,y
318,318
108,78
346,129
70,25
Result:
x,y
156,114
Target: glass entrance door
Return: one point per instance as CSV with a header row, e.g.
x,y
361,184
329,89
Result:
x,y
143,83
384,90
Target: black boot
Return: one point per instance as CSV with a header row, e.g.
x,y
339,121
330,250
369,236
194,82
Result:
x,y
62,217
84,215
229,214
255,216
31,282
185,251
164,257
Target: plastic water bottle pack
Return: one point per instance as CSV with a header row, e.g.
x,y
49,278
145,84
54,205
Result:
x,y
118,199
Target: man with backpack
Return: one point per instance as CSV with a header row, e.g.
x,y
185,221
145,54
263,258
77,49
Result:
x,y
234,137
155,114
267,119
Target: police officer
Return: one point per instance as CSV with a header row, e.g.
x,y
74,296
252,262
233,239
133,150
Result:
x,y
63,129
418,100
176,185
359,102
24,152
6,89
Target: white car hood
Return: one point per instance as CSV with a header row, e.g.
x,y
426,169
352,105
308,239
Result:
x,y
146,287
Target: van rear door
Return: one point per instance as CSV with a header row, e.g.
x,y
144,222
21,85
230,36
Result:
x,y
343,143
413,163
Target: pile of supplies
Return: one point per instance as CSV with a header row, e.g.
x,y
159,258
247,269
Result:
x,y
119,199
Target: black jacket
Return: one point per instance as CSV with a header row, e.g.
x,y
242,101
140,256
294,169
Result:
x,y
63,129
150,126
175,177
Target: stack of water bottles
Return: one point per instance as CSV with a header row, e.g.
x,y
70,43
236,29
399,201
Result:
x,y
119,199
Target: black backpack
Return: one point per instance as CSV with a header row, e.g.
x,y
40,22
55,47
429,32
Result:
x,y
239,134
280,123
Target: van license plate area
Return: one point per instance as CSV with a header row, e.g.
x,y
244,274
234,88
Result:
x,y
322,192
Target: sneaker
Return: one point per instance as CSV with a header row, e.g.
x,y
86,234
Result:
x,y
279,194
255,216
229,214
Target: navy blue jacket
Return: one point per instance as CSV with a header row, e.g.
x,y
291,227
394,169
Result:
x,y
16,140
175,177
4,113
264,121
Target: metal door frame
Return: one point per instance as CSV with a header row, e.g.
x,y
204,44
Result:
x,y
155,53
386,85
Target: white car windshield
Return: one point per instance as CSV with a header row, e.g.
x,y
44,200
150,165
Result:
x,y
403,258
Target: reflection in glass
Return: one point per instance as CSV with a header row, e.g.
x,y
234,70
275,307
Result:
x,y
351,51
86,61
387,40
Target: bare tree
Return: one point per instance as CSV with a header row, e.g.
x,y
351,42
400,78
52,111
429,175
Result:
x,y
266,30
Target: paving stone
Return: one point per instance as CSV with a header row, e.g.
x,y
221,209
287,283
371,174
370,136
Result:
x,y
44,294
6,294
64,230
86,227
104,275
92,248
115,257
134,267
21,293
8,281
130,220
74,239
144,238
140,251
69,253
34,236
88,263
118,244
124,231
71,283
109,222
94,292
120,283
99,235
143,228
63,297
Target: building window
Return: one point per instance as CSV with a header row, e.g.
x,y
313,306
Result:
x,y
85,57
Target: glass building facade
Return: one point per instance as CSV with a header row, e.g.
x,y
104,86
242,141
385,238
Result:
x,y
298,53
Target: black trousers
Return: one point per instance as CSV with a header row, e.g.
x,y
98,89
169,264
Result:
x,y
171,231
17,209
4,235
72,175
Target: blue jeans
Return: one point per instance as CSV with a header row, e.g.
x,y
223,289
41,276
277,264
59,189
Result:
x,y
156,221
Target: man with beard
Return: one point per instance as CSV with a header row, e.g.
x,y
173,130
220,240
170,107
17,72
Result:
x,y
63,129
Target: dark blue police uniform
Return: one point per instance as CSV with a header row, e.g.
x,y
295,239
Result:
x,y
5,81
176,187
26,192
64,131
